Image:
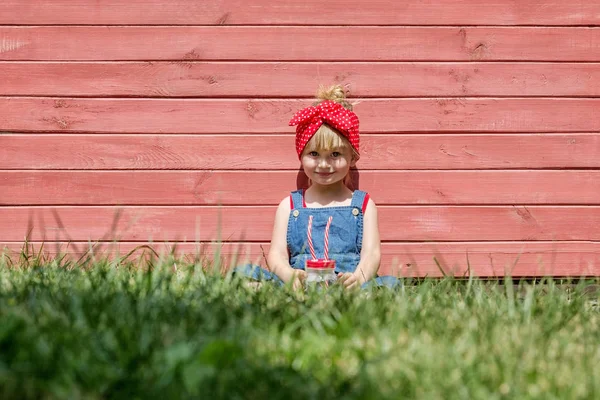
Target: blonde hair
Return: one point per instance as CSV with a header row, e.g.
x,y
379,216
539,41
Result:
x,y
334,93
327,138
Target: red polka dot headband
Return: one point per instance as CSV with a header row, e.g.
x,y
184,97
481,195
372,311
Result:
x,y
310,119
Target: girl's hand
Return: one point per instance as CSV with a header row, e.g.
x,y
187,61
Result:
x,y
350,280
298,279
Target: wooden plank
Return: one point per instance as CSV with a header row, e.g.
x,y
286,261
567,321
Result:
x,y
269,187
254,223
259,12
486,259
274,79
28,114
290,43
420,151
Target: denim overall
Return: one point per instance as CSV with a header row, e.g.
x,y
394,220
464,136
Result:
x,y
345,238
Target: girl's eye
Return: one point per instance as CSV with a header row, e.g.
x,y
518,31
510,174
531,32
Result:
x,y
336,154
313,154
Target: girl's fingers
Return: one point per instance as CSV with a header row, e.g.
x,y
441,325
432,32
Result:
x,y
299,275
355,284
297,284
350,280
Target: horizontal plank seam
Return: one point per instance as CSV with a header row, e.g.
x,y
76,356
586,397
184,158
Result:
x,y
298,25
291,134
277,63
509,242
367,132
262,170
274,204
245,97
351,99
284,60
532,242
263,206
301,62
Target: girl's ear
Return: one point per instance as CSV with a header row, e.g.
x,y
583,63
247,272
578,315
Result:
x,y
353,162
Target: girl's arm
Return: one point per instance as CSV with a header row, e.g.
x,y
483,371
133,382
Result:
x,y
278,258
370,255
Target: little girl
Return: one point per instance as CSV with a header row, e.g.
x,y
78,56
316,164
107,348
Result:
x,y
327,218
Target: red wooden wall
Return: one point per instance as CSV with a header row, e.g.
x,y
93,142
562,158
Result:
x,y
166,121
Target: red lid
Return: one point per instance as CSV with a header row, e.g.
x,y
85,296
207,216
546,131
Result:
x,y
320,264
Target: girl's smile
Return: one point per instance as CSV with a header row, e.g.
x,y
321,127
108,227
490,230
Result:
x,y
327,167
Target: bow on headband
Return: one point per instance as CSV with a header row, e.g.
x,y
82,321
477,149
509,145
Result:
x,y
310,119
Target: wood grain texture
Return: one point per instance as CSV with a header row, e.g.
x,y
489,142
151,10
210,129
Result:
x,y
269,187
309,12
135,120
247,152
293,79
289,43
254,223
488,259
27,114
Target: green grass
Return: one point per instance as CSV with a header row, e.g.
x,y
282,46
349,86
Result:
x,y
126,328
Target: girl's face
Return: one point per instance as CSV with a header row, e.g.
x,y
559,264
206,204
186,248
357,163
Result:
x,y
327,167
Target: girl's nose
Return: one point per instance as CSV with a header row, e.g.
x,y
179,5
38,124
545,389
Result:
x,y
323,163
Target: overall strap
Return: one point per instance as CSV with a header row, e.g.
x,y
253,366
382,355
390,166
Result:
x,y
296,199
360,200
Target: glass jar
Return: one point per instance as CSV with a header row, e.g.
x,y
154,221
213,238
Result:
x,y
320,272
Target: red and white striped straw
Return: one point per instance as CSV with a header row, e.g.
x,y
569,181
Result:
x,y
327,237
310,242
